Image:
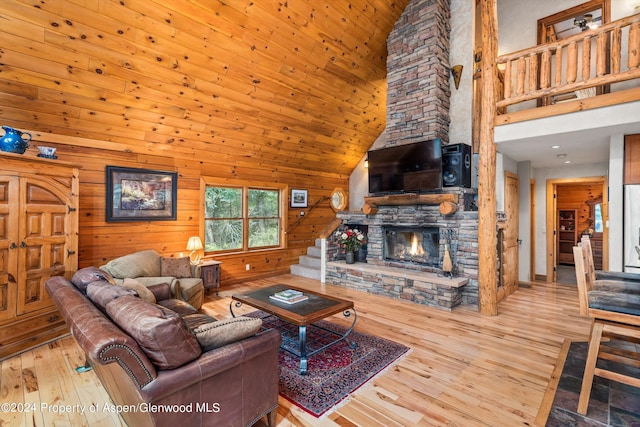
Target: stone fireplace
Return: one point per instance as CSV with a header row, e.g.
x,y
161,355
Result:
x,y
406,241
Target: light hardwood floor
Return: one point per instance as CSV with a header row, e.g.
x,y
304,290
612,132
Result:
x,y
465,369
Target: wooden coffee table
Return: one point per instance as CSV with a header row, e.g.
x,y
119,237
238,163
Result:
x,y
301,314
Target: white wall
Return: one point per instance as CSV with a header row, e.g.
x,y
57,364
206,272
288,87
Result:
x,y
525,175
616,195
461,53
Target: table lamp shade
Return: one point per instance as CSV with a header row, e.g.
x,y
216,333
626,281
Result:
x,y
194,245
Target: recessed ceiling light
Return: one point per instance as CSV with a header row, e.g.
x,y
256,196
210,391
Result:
x,y
567,161
555,147
562,156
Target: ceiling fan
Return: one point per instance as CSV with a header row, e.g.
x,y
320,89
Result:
x,y
586,22
581,22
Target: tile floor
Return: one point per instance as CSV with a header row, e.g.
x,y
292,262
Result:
x,y
611,404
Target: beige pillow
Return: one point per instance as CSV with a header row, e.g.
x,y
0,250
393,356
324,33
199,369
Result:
x,y
140,289
222,332
175,267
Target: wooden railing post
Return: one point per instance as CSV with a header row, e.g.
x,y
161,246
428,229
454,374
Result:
x,y
634,46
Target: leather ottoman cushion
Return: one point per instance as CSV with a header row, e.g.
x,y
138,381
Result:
x,y
159,332
216,334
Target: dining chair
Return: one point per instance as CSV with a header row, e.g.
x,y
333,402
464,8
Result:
x,y
612,313
608,280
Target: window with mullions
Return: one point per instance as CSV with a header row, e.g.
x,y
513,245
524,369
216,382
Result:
x,y
241,218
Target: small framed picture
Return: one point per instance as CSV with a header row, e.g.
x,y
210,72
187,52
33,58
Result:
x,y
298,198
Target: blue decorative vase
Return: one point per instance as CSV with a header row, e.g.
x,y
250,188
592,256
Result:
x,y
12,141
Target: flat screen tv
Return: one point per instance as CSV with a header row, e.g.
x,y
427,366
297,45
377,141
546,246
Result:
x,y
408,168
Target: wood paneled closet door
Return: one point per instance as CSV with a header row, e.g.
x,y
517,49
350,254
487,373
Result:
x,y
38,239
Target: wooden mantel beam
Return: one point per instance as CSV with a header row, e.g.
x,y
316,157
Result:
x,y
371,203
487,235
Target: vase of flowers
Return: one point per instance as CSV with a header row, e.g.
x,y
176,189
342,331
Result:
x,y
351,240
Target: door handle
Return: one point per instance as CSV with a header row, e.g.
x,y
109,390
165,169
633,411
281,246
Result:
x,y
23,245
13,245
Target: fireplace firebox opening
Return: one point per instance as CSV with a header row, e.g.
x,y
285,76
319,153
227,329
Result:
x,y
408,244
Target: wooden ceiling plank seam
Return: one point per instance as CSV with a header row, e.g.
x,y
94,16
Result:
x,y
28,47
12,25
60,71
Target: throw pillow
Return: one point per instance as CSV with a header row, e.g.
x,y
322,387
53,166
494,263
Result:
x,y
140,289
84,276
159,332
216,334
102,293
143,263
175,267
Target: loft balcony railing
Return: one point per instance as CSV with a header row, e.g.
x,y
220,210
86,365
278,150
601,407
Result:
x,y
584,65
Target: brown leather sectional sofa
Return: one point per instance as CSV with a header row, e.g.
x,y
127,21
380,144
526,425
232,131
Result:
x,y
232,385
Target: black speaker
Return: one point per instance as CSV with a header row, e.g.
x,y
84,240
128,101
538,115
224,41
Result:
x,y
456,165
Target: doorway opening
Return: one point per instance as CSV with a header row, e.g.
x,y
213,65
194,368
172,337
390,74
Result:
x,y
575,206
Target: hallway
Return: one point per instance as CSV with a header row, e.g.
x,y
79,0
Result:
x,y
566,274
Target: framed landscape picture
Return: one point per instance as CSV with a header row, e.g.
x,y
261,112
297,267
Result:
x,y
140,194
298,198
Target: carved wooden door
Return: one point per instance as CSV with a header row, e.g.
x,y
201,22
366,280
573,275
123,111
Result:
x,y
42,243
8,254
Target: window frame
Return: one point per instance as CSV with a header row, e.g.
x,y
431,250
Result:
x,y
245,186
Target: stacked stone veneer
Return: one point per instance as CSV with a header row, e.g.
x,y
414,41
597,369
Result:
x,y
418,88
392,278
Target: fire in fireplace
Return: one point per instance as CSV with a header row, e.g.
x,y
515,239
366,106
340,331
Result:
x,y
419,245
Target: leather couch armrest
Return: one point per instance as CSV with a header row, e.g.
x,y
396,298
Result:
x,y
101,340
212,363
161,291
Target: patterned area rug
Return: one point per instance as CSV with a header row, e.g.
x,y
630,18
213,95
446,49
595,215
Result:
x,y
334,373
611,403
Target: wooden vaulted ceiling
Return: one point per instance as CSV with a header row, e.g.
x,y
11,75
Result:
x,y
284,83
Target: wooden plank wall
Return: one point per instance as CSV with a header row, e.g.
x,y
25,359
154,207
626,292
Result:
x,y
100,241
270,91
575,196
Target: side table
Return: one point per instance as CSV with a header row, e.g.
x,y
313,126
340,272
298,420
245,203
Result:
x,y
210,274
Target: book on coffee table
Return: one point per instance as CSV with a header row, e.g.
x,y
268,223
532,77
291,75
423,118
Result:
x,y
289,296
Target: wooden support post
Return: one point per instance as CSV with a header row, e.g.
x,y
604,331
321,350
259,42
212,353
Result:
x,y
487,238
